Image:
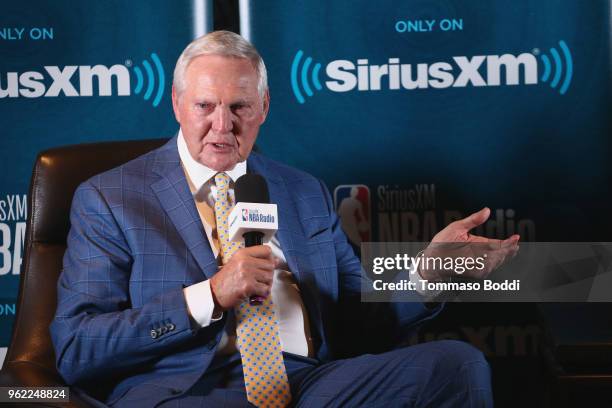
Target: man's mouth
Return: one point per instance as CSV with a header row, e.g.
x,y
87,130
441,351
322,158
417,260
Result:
x,y
222,146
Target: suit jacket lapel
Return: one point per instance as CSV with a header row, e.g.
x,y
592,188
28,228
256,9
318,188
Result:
x,y
175,198
288,220
290,234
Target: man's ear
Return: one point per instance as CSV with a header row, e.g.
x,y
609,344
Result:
x,y
266,106
175,104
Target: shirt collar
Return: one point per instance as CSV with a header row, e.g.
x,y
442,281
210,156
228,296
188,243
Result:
x,y
199,173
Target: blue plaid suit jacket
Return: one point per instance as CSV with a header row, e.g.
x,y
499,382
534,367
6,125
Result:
x,y
136,240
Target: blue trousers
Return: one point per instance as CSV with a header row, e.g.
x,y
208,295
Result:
x,y
443,373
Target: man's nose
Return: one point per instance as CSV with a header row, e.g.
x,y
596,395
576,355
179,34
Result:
x,y
222,120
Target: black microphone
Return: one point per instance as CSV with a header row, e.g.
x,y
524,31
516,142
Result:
x,y
252,188
253,217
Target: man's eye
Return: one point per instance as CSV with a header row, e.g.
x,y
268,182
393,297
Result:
x,y
239,107
204,106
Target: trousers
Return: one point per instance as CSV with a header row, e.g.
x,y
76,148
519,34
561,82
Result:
x,y
445,373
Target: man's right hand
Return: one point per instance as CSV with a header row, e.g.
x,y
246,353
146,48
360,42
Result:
x,y
249,272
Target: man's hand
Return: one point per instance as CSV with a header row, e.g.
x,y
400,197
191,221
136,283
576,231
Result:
x,y
458,233
249,272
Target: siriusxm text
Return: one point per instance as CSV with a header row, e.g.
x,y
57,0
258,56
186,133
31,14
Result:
x,y
460,72
13,216
55,80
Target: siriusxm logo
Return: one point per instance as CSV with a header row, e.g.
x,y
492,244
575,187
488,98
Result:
x,y
461,71
256,216
94,80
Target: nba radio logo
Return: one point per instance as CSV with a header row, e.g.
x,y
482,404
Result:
x,y
352,203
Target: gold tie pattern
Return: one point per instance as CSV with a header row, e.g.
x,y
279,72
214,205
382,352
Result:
x,y
258,339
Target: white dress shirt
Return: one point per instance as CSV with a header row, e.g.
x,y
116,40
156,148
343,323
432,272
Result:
x,y
290,311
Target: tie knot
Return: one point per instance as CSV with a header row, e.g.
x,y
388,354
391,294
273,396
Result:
x,y
222,182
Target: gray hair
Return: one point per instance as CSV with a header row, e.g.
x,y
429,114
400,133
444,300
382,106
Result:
x,y
223,43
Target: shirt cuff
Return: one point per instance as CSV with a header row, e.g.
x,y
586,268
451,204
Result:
x,y
201,304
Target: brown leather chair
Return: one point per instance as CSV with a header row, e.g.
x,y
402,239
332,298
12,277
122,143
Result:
x,y
30,360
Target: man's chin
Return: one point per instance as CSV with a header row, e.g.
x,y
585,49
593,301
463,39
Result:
x,y
220,163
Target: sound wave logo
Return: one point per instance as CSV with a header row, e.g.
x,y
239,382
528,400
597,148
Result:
x,y
304,75
558,71
458,72
151,80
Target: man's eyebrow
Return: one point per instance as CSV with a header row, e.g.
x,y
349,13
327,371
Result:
x,y
241,101
204,99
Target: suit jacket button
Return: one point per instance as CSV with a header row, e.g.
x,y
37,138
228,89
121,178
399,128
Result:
x,y
163,330
153,334
176,391
171,326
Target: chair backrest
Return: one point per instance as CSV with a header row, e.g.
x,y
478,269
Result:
x,y
56,175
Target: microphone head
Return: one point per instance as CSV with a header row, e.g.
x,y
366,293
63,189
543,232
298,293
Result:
x,y
251,188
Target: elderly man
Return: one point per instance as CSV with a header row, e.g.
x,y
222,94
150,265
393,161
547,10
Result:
x,y
152,308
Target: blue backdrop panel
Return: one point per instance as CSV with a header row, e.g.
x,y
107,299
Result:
x,y
442,107
510,109
75,72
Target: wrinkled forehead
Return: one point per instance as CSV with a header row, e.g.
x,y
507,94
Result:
x,y
221,65
236,82
215,72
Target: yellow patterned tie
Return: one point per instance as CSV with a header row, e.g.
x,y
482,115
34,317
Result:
x,y
265,378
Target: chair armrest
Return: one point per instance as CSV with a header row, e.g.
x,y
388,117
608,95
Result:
x,y
27,374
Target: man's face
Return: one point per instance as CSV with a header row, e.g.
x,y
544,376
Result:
x,y
220,110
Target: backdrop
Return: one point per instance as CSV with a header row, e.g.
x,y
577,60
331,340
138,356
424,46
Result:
x,y
418,112
77,72
415,113
435,109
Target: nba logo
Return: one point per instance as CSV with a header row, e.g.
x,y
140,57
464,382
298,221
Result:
x,y
352,203
245,214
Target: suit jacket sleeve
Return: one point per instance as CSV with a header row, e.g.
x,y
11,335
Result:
x,y
391,321
96,331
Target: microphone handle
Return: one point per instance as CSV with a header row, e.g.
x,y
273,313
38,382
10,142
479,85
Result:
x,y
254,238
